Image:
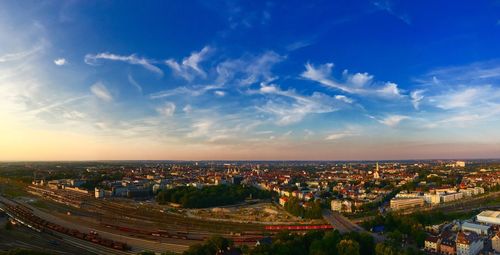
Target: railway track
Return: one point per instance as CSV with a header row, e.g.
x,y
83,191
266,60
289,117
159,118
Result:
x,y
168,220
25,216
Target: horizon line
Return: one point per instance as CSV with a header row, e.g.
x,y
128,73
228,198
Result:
x,y
249,160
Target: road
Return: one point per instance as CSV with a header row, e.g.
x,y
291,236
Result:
x,y
339,222
344,225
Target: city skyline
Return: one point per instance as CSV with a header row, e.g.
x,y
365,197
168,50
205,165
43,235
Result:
x,y
229,80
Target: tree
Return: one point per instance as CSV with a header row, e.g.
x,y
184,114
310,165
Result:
x,y
219,243
146,253
8,225
348,247
23,252
385,249
211,246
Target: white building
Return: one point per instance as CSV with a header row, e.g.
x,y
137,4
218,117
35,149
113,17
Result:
x,y
431,198
99,193
476,228
489,217
449,197
468,243
469,192
405,203
341,206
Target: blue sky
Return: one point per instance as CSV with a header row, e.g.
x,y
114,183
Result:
x,y
249,80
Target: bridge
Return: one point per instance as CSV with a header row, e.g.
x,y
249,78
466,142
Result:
x,y
344,225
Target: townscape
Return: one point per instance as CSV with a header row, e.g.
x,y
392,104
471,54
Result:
x,y
172,206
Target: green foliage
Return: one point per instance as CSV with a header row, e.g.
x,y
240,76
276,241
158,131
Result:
x,y
8,225
348,247
313,211
23,252
391,249
146,253
493,188
318,243
190,197
398,227
211,246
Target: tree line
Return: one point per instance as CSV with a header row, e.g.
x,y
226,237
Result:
x,y
209,196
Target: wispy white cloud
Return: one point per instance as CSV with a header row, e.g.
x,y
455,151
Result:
x,y
134,83
220,93
187,109
462,95
200,128
100,91
340,135
463,98
344,98
21,54
92,59
60,61
56,104
392,120
390,89
388,6
249,69
358,83
288,112
298,45
416,97
167,109
189,68
196,90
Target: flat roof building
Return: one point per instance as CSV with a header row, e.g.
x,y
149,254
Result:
x,y
476,228
489,217
405,203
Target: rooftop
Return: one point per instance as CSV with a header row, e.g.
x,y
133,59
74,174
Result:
x,y
476,226
489,213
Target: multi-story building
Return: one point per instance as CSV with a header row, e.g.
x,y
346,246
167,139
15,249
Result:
x,y
405,203
495,242
468,243
449,197
489,217
447,247
341,206
476,228
432,243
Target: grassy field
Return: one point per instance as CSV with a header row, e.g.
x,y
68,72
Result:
x,y
12,188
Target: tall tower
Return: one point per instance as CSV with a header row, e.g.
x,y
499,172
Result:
x,y
376,174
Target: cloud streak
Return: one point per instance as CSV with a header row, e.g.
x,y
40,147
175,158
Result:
x,y
190,67
101,92
358,83
93,59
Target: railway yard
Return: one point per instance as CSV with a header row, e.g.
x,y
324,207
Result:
x,y
121,226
